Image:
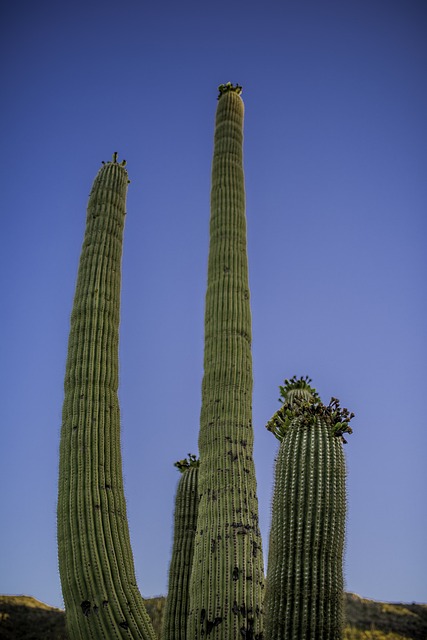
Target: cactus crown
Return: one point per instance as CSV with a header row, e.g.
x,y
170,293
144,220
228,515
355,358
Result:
x,y
187,463
297,388
302,403
115,160
224,88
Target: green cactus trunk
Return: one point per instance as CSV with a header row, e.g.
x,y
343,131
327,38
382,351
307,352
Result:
x,y
304,594
95,558
185,522
227,580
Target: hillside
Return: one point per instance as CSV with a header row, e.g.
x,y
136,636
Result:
x,y
25,618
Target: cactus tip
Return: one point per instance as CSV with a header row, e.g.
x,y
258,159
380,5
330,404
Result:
x,y
187,463
224,88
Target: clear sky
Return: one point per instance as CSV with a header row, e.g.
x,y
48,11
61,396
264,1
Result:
x,y
335,95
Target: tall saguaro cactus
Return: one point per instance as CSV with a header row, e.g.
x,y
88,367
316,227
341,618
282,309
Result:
x,y
227,577
304,594
95,558
185,522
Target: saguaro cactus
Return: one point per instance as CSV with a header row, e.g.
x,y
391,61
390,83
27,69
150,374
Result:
x,y
185,522
95,558
227,578
304,594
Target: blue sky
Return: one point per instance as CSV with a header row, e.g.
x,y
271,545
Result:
x,y
335,164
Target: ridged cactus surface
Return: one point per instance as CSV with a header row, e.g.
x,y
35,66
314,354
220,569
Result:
x,y
185,522
95,558
304,594
226,588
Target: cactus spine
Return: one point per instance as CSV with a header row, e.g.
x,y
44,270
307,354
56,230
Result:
x,y
304,594
227,578
185,522
95,558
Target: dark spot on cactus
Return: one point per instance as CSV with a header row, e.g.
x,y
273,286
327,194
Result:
x,y
202,616
213,545
235,608
212,624
243,443
243,610
124,625
85,605
248,632
226,269
97,507
236,573
95,609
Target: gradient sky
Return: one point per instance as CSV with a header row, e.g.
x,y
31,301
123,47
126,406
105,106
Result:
x,y
335,96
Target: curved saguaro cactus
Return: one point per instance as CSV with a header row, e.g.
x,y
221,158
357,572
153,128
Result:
x,y
304,594
185,522
95,558
227,578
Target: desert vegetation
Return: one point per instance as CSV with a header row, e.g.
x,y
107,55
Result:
x,y
25,618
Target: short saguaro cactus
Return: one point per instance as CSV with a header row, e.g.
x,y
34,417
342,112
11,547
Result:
x,y
304,593
185,522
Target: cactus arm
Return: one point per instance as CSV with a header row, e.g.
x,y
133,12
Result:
x,y
185,522
95,558
226,587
